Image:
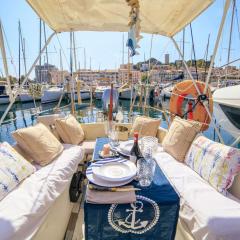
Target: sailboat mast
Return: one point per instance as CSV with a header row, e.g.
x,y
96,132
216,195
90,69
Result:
x,y
45,40
19,53
230,38
123,49
205,70
74,51
71,73
61,65
183,47
40,47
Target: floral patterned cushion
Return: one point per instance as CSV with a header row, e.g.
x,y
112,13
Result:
x,y
13,169
215,162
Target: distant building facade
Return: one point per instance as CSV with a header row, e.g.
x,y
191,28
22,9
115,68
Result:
x,y
42,73
166,58
58,77
91,77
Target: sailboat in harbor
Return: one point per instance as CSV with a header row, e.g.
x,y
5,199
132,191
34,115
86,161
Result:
x,y
191,197
4,97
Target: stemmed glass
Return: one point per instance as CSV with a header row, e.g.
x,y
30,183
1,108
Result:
x,y
111,132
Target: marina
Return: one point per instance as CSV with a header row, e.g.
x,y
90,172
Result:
x,y
120,120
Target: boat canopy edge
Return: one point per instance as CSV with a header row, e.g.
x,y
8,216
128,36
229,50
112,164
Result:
x,y
157,16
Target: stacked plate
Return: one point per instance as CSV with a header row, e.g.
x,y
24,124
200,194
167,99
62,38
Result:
x,y
124,148
111,172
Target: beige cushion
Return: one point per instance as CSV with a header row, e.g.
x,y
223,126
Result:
x,y
146,126
179,137
49,122
23,153
70,130
88,146
39,143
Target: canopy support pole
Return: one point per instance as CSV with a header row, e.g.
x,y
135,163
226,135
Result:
x,y
26,78
226,7
196,87
5,61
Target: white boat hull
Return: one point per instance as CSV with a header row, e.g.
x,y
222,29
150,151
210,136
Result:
x,y
227,109
224,121
51,95
25,97
126,94
85,95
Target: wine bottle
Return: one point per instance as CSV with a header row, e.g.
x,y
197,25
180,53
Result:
x,y
135,151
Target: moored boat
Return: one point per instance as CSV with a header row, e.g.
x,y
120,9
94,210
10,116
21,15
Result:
x,y
51,94
227,108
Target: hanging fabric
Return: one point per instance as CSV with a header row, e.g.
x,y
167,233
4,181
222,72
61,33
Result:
x,y
134,24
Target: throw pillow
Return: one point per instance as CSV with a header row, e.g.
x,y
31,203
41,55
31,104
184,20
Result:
x,y
179,137
39,143
70,130
215,162
145,126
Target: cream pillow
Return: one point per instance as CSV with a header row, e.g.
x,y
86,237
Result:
x,y
49,122
23,153
145,126
180,137
39,143
70,130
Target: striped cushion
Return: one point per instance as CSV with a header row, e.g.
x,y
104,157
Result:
x,y
215,162
13,169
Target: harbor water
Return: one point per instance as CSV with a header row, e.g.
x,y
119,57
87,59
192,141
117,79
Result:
x,y
24,114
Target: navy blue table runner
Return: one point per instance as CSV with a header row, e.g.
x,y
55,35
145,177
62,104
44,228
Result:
x,y
153,216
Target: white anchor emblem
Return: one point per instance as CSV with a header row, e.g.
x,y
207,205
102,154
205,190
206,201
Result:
x,y
132,221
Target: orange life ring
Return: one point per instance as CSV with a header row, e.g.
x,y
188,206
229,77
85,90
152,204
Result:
x,y
187,88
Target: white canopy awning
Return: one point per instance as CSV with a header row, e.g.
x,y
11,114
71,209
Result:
x,y
165,17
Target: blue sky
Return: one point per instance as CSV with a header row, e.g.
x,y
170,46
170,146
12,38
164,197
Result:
x,y
105,47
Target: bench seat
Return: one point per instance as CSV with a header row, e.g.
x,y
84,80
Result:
x,y
206,213
25,209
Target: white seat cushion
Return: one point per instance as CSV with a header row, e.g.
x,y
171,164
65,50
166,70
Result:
x,y
24,209
207,213
88,146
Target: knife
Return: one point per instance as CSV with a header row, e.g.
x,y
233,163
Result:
x,y
112,189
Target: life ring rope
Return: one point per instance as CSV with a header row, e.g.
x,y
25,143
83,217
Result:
x,y
181,92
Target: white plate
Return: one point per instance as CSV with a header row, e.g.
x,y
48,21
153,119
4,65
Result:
x,y
115,171
100,182
126,146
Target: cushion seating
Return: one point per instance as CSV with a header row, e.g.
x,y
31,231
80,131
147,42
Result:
x,y
180,136
70,130
39,143
23,211
49,122
214,162
88,146
145,126
207,213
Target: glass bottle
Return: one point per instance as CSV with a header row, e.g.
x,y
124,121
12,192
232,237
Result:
x,y
135,151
